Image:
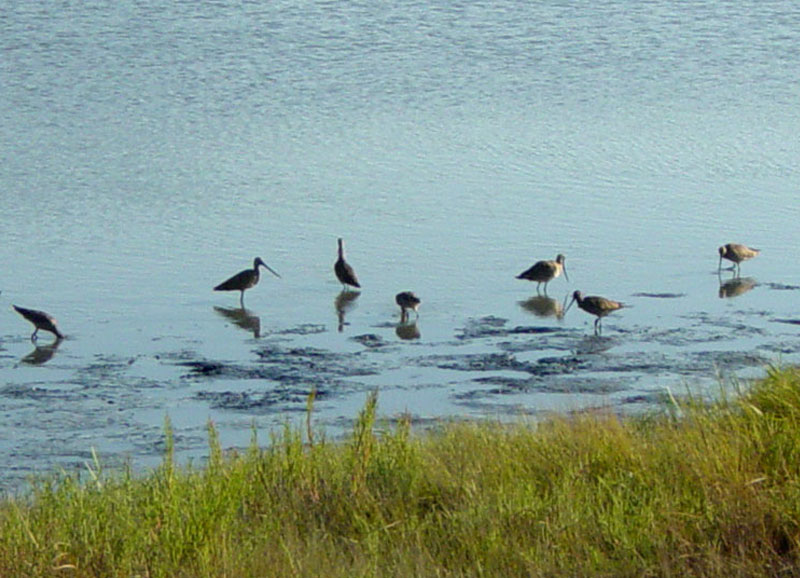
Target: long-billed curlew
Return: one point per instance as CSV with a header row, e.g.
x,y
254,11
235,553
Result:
x,y
244,280
597,306
545,271
40,320
344,272
736,253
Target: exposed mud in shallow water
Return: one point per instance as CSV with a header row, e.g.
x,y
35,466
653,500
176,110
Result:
x,y
487,366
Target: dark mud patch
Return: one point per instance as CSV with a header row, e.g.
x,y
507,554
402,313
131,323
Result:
x,y
659,295
709,328
782,287
371,341
704,363
496,326
486,362
650,399
304,329
475,362
289,372
288,399
206,368
579,385
589,374
787,321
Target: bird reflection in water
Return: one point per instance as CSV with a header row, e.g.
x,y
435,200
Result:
x,y
345,302
543,306
242,317
735,287
41,353
407,330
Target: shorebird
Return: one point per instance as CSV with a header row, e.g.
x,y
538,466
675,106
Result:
x,y
736,253
545,271
597,306
244,280
407,300
344,272
40,320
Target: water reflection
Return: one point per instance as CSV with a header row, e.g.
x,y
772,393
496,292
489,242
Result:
x,y
735,287
407,330
241,317
41,353
543,306
344,302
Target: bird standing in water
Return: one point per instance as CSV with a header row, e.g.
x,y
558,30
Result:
x,y
407,300
597,306
40,320
736,253
545,271
244,280
344,272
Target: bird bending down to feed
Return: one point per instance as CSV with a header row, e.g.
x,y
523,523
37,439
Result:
x,y
40,320
344,272
244,280
597,306
736,253
407,300
545,271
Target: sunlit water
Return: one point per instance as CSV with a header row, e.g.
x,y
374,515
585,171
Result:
x,y
147,152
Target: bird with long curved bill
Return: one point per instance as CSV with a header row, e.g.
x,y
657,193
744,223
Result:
x,y
244,280
594,305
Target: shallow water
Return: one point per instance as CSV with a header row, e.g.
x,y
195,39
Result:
x,y
149,152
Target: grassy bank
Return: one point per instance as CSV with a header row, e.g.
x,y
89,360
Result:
x,y
714,492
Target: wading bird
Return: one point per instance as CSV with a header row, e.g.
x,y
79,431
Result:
x,y
40,320
597,306
344,272
545,271
244,280
736,253
407,300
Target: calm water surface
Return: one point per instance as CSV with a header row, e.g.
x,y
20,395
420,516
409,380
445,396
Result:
x,y
147,152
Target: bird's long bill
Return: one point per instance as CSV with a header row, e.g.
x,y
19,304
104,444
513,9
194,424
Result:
x,y
271,270
564,267
570,304
719,267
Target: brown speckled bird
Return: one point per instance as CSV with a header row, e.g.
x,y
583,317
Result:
x,y
597,306
736,253
545,271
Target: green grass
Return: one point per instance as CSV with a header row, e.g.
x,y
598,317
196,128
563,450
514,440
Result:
x,y
713,492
